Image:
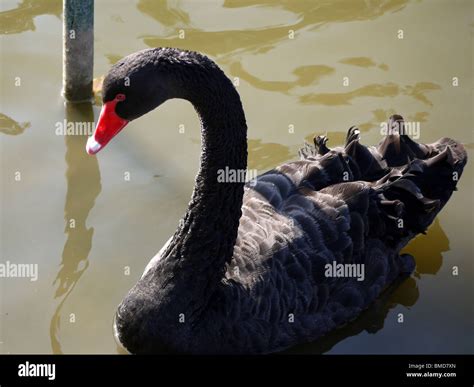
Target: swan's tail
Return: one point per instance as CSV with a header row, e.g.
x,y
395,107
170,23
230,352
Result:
x,y
424,185
411,181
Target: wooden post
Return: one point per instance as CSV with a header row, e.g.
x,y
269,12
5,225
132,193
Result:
x,y
78,49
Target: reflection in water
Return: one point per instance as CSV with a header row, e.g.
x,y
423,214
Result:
x,y
419,117
11,127
305,76
83,187
363,61
334,99
113,58
427,250
20,19
417,91
265,155
97,90
163,13
378,116
220,43
360,61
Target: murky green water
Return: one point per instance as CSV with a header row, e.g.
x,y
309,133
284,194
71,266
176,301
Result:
x,y
120,224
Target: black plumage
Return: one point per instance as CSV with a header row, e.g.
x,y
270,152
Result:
x,y
245,270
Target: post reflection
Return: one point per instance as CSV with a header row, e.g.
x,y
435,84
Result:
x,y
83,187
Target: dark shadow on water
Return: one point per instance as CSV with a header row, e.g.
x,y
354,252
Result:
x,y
83,187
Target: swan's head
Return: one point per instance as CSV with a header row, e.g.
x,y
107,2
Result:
x,y
138,84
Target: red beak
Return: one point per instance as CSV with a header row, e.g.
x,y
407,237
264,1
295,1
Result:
x,y
108,126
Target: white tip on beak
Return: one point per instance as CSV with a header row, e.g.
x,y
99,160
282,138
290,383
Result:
x,y
92,146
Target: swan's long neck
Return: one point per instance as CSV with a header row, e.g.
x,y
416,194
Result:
x,y
176,291
211,221
194,262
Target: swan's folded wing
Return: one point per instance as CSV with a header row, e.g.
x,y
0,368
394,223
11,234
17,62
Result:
x,y
305,215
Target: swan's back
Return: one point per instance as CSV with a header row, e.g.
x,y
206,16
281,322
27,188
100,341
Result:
x,y
355,206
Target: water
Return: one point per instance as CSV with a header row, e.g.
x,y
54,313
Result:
x,y
284,84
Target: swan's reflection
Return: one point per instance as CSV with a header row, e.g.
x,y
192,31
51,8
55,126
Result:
x,y
427,250
83,187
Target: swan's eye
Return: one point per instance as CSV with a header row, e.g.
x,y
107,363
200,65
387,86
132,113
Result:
x,y
120,97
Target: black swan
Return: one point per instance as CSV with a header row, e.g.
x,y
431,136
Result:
x,y
249,269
